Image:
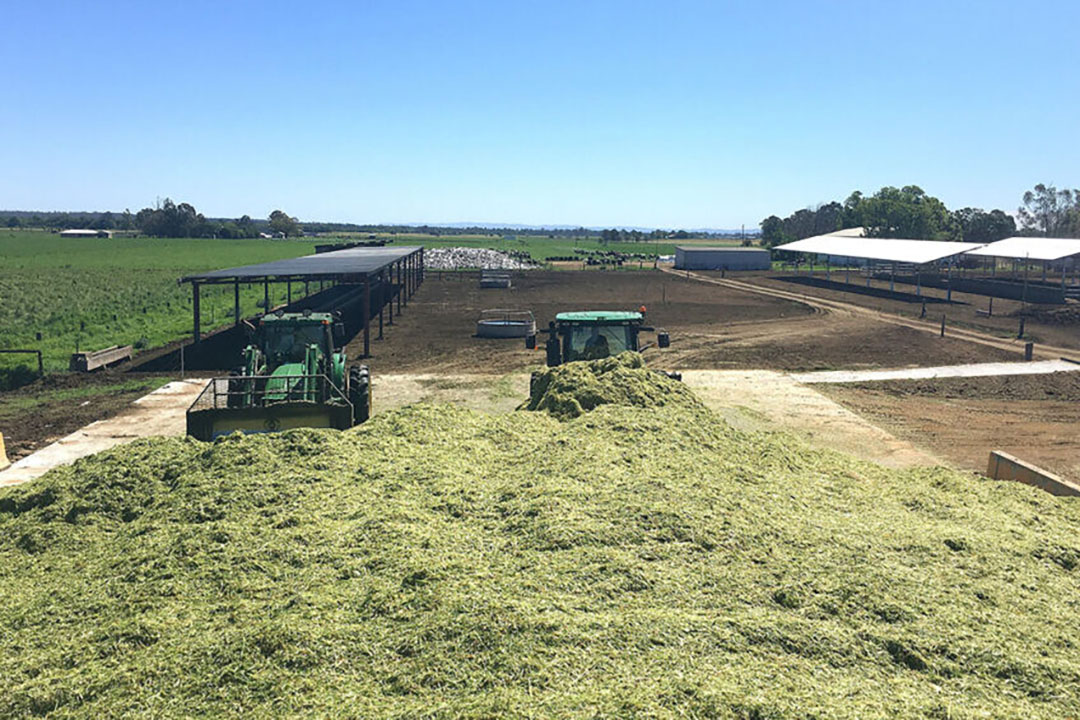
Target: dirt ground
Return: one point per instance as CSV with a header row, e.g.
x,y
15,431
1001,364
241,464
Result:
x,y
56,405
1034,417
1049,324
711,327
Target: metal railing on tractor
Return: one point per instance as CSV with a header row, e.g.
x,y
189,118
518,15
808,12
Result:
x,y
251,391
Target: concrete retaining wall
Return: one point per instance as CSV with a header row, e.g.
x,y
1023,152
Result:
x,y
1004,466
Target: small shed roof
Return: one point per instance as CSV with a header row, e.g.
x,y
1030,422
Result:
x,y
918,252
1030,248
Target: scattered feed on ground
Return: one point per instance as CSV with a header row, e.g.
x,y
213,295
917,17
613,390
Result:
x,y
627,562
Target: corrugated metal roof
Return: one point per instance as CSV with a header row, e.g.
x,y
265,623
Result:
x,y
905,251
1030,248
352,261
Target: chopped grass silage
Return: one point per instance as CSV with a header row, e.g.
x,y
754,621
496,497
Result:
x,y
439,562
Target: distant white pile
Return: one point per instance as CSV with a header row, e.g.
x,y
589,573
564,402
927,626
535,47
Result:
x,y
460,258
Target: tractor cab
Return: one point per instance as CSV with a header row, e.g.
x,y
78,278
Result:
x,y
595,334
286,338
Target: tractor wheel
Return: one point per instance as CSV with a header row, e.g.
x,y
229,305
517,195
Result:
x,y
360,393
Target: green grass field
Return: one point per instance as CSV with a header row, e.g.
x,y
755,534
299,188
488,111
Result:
x,y
95,293
89,294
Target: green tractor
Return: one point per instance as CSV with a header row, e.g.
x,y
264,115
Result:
x,y
595,334
293,376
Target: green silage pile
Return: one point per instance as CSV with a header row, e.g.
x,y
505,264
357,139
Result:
x,y
574,389
438,562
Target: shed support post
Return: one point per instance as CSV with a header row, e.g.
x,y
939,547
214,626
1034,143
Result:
x,y
382,300
828,270
1044,271
266,296
390,300
236,303
948,284
892,278
918,282
196,329
288,292
367,316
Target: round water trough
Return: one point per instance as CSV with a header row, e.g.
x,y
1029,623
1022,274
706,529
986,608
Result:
x,y
505,324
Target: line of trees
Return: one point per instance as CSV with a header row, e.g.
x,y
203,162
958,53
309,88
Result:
x,y
908,212
166,219
169,219
67,220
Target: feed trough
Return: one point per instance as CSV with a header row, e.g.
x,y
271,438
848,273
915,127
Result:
x,y
505,324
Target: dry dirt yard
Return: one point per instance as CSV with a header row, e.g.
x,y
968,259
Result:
x,y
1034,417
712,327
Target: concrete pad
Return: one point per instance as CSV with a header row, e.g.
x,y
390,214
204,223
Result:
x,y
947,371
767,400
162,412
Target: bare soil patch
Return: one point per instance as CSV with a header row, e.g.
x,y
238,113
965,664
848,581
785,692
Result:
x,y
56,405
1048,324
962,419
711,327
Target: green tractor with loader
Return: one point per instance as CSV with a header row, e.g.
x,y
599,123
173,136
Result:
x,y
294,375
595,334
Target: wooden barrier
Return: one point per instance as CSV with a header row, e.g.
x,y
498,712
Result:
x,y
1004,466
4,462
85,362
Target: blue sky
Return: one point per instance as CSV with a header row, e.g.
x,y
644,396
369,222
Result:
x,y
669,114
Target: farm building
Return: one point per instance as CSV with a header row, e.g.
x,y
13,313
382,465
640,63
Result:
x,y
721,258
83,233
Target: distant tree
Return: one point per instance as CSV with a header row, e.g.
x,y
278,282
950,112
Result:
x,y
104,221
984,227
1050,211
281,222
14,222
127,222
772,231
800,224
172,220
906,212
828,218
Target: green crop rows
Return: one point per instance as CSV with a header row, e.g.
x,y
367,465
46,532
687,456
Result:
x,y
94,293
